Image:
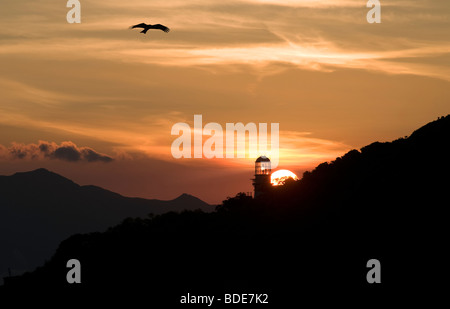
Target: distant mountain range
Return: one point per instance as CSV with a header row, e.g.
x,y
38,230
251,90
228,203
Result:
x,y
38,209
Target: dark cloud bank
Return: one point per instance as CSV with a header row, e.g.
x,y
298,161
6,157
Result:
x,y
67,151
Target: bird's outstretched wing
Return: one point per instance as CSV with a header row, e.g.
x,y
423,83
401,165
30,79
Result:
x,y
141,25
160,27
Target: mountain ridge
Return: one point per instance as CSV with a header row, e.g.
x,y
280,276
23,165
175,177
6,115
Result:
x,y
40,208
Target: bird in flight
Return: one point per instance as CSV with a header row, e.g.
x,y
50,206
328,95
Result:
x,y
148,27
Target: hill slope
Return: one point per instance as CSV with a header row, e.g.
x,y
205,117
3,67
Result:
x,y
306,239
39,209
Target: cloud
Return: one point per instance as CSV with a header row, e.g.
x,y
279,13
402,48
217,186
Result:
x,y
66,151
301,148
310,34
246,60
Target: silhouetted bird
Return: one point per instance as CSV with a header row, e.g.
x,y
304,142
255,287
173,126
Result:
x,y
148,27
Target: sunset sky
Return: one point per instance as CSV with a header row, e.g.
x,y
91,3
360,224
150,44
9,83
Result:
x,y
96,101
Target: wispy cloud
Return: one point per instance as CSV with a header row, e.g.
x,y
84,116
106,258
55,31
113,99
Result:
x,y
310,34
302,149
308,3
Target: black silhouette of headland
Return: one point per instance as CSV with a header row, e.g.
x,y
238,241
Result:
x,y
387,201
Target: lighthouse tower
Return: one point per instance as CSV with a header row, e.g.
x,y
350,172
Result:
x,y
261,182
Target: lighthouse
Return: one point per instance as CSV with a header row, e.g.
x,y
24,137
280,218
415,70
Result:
x,y
263,170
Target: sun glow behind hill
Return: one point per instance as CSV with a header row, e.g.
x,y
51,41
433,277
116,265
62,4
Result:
x,y
279,177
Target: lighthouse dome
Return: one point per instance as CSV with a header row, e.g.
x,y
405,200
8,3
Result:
x,y
263,159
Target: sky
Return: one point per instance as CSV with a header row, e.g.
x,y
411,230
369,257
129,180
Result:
x,y
96,101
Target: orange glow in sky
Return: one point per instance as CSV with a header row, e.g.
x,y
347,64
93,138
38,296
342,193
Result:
x,y
332,81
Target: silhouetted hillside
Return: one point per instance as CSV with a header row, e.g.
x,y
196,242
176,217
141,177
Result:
x,y
387,201
39,209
